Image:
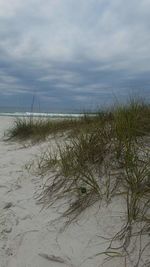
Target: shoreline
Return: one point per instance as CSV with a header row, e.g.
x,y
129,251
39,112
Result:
x,y
42,115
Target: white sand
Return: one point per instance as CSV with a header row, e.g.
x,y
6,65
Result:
x,y
27,235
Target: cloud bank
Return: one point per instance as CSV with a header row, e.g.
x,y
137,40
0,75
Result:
x,y
73,54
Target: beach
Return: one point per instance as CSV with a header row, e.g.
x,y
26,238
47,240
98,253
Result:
x,y
32,235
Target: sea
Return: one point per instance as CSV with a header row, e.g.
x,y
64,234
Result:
x,y
20,112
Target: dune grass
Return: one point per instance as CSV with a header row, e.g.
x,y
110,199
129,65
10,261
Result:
x,y
37,129
109,140
106,155
115,142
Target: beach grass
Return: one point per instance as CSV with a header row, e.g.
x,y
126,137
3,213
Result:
x,y
113,143
37,129
106,155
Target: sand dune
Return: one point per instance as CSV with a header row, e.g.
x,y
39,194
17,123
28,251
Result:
x,y
29,236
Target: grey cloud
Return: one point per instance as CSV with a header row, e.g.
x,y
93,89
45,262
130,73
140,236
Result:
x,y
71,52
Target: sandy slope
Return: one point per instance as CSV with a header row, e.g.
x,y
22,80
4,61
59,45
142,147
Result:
x,y
28,236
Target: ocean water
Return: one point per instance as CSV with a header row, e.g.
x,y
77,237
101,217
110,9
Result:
x,y
18,112
36,114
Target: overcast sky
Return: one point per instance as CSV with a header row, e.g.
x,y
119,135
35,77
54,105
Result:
x,y
73,54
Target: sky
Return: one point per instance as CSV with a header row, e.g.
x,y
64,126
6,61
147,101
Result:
x,y
73,54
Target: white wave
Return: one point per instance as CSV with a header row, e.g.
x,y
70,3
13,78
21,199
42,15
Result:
x,y
38,114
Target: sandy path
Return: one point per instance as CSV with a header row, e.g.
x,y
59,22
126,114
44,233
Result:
x,y
27,236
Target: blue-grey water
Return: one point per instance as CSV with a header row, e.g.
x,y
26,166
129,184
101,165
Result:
x,y
21,112
36,114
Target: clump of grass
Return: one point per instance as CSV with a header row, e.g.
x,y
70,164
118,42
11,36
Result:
x,y
37,129
79,166
132,120
74,176
107,143
108,138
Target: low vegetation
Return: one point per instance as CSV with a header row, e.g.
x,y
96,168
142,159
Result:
x,y
37,129
108,154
